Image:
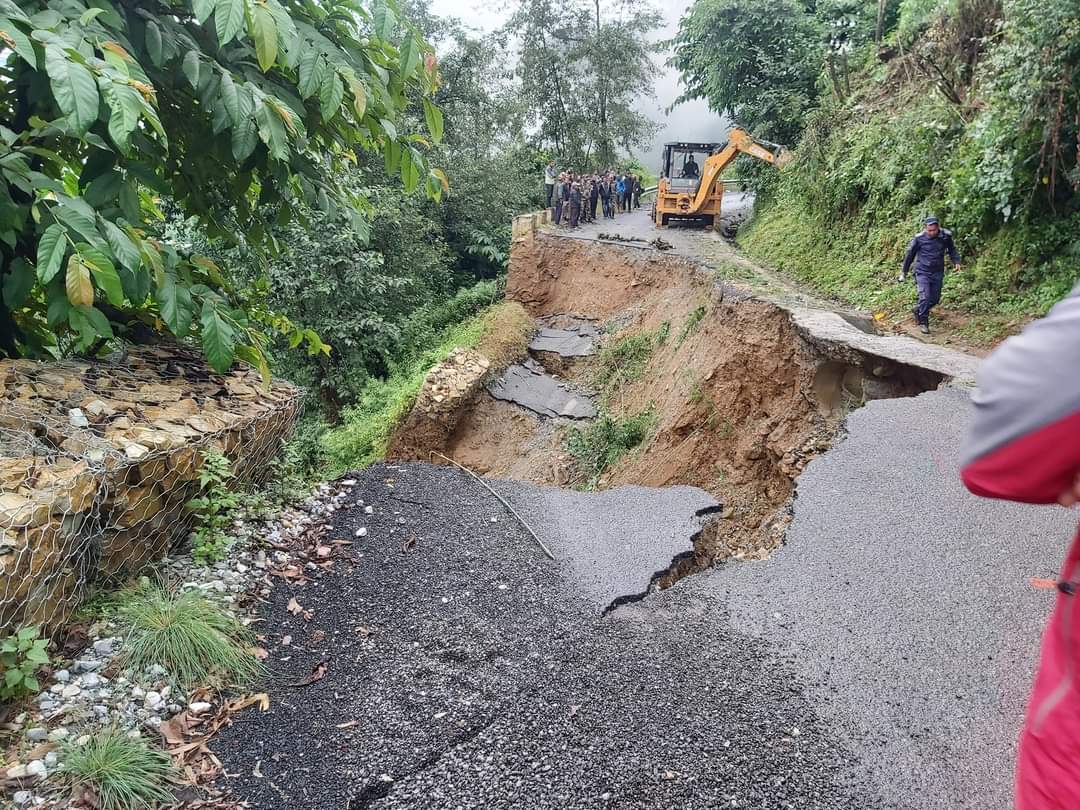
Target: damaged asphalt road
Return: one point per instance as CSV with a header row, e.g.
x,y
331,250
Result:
x,y
464,669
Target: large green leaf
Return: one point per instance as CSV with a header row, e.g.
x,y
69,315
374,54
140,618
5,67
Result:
x,y
410,171
80,291
272,131
312,71
104,273
177,309
330,95
384,20
203,9
121,245
19,42
191,68
265,34
229,94
125,106
154,45
229,19
50,252
410,56
433,117
218,337
73,87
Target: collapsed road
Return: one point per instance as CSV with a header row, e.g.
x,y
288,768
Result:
x,y
880,657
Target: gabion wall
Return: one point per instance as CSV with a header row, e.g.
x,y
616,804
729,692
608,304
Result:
x,y
98,461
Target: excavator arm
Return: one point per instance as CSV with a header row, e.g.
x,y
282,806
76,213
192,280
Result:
x,y
739,141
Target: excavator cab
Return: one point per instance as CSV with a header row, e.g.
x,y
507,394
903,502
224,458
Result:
x,y
690,188
683,163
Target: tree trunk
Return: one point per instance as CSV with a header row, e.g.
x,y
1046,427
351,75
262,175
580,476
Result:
x,y
879,30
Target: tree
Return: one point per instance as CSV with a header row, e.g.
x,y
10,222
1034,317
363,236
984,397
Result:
x,y
756,63
582,75
239,112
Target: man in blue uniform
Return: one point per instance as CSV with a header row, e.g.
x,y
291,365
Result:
x,y
927,250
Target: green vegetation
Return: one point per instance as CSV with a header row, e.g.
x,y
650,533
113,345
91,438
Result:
x,y
434,333
625,360
606,439
120,772
693,321
21,654
967,109
213,508
240,114
197,642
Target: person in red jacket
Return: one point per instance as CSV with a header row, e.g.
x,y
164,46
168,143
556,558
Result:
x,y
1024,445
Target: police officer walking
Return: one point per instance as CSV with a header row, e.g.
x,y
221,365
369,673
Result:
x,y
927,250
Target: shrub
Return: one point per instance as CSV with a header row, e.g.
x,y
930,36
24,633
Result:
x,y
122,773
20,656
213,508
625,360
195,641
600,444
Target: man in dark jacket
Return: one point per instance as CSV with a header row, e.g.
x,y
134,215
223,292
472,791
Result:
x,y
927,250
575,205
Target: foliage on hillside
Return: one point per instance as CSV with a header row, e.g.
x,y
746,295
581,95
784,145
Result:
x,y
466,321
242,113
968,109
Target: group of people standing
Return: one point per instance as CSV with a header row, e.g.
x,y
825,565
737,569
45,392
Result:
x,y
577,198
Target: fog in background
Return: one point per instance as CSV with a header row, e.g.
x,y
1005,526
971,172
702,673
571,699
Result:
x,y
691,121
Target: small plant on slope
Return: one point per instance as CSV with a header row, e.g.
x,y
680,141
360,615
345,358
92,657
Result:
x,y
20,656
197,642
213,508
603,442
693,320
118,772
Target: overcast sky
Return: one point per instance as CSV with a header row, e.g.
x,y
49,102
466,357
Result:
x,y
692,121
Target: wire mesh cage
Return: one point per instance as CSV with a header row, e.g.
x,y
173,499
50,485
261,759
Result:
x,y
98,461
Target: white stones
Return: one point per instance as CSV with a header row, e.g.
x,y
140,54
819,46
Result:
x,y
36,767
369,510
62,676
104,646
85,665
37,734
361,532
138,693
153,702
199,707
90,680
77,419
58,734
70,691
22,797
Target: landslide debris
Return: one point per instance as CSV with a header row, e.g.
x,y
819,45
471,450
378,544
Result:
x,y
739,394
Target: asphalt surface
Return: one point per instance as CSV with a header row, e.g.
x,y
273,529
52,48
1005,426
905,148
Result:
x,y
464,669
906,605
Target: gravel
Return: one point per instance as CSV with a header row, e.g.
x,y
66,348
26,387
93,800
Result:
x,y
906,604
464,669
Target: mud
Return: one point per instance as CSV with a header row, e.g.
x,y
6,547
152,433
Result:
x,y
744,394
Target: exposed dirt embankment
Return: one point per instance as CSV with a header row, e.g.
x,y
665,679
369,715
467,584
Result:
x,y
452,388
741,397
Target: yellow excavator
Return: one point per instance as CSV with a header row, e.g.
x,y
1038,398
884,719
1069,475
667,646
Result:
x,y
688,192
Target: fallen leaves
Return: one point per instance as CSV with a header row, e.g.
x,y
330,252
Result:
x,y
294,607
186,736
318,672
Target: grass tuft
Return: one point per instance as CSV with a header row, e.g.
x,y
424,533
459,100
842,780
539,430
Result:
x,y
194,640
693,320
600,444
626,359
122,773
